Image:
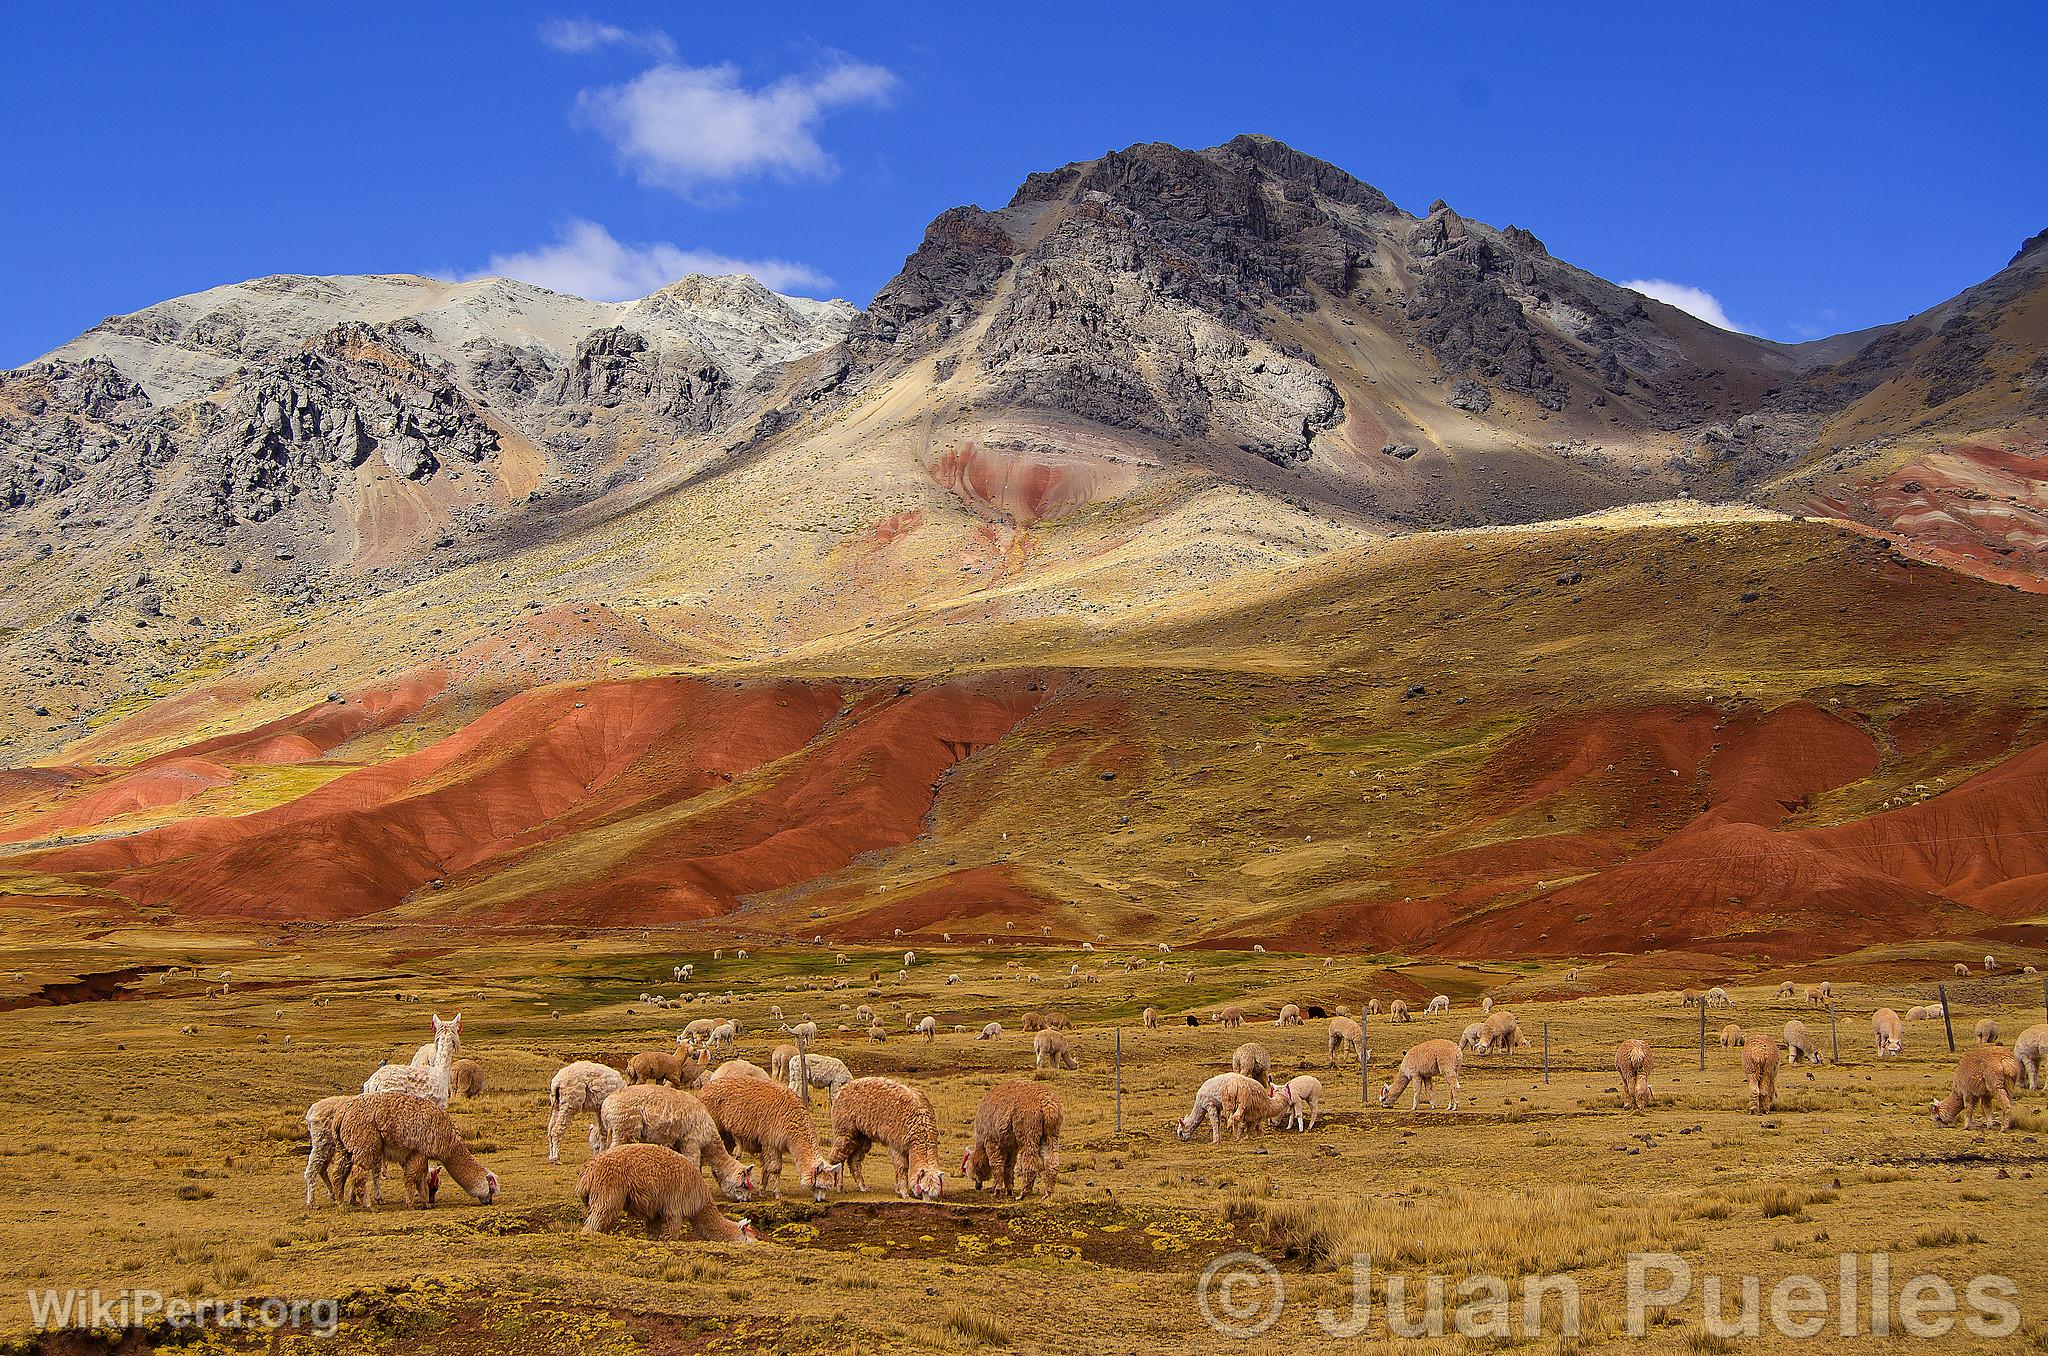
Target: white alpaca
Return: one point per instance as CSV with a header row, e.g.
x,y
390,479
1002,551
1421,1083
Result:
x,y
431,1080
1438,1004
581,1086
1307,1107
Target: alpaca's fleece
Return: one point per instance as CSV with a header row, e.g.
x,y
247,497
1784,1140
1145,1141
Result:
x,y
1632,1062
1208,1106
397,1127
1345,1036
740,1068
581,1086
658,1186
1058,1021
778,1061
1253,1061
818,1071
1688,997
1249,1104
1473,1037
1890,1035
1785,989
1290,1015
1151,1019
763,1118
681,1068
1800,1044
651,1114
1438,1005
1760,1071
1717,997
1304,1101
466,1079
1985,1080
1422,1066
928,1028
1987,1031
429,1080
1731,1036
323,1135
2031,1050
1398,1010
1034,1021
870,1111
1050,1047
1016,1128
990,1031
1230,1017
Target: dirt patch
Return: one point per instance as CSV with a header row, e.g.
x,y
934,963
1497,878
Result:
x,y
986,1234
105,987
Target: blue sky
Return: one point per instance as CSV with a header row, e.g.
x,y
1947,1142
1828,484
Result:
x,y
1812,168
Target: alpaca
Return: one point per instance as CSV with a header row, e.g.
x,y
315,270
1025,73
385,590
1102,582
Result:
x,y
423,1080
684,1068
1987,1031
1486,1006
581,1086
1439,1004
1962,970
1891,1038
818,1071
1398,1010
1016,1131
1717,997
1345,1037
1034,1021
466,1079
425,1055
1252,1060
2031,1050
661,1187
651,1114
778,1061
1688,997
1151,1019
872,1111
990,1031
1474,1036
1290,1015
1249,1104
1229,1017
1985,1079
1501,1032
1422,1066
1785,989
1208,1106
1305,1102
323,1135
928,1028
401,1128
1372,1007
740,1068
768,1119
724,1036
1058,1021
1760,1070
696,1032
1731,1036
1814,997
1632,1062
1800,1043
1990,965
1050,1047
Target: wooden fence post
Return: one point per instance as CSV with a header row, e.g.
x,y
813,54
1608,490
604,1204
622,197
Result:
x,y
1364,1051
1703,1033
1947,1025
1834,1034
1546,1054
1119,1080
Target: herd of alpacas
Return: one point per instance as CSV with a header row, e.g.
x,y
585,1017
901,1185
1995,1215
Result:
x,y
672,1116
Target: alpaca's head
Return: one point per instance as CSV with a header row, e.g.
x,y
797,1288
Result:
x,y
819,1174
928,1184
1386,1094
487,1192
748,1234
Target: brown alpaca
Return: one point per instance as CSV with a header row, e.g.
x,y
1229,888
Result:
x,y
1248,1104
1731,1036
652,1114
323,1135
1252,1060
1230,1017
1987,1031
871,1111
680,1068
661,1188
1632,1062
466,1079
1016,1127
1151,1019
400,1128
1050,1047
1501,1032
768,1119
1421,1066
1890,1035
1398,1010
1034,1021
1760,1068
778,1061
1058,1021
1985,1079
1345,1037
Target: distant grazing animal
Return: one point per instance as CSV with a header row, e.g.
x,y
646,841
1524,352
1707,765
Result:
x,y
817,1071
1717,997
1800,1044
660,1187
1050,1047
1398,1010
1229,1017
1290,1015
1501,1032
1987,1031
581,1086
1440,1003
990,1031
1192,1020
1345,1037
1731,1036
1760,1070
1814,997
1228,1098
682,1067
1016,1133
1421,1066
1990,965
1688,997
466,1079
1962,970
1890,1036
1486,1005
1632,1062
928,1027
1151,1019
1785,989
1984,1083
1252,1060
1372,1007
1034,1021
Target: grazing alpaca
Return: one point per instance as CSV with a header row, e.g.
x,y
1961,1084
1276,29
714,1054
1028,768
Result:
x,y
1486,1005
397,1127
1208,1106
1985,1079
1800,1043
1731,1036
1290,1015
680,1068
323,1135
1345,1037
466,1079
928,1028
1421,1066
990,1031
1632,1062
660,1187
1398,1010
1016,1128
1987,1031
1760,1069
1717,997
428,1080
1305,1102
1688,997
1050,1047
1230,1017
1248,1104
581,1086
1372,1007
1438,1005
652,1114
1501,1032
1474,1036
2031,1050
778,1061
818,1071
1151,1019
1962,970
1785,989
872,1111
1252,1060
1814,997
767,1119
1891,1037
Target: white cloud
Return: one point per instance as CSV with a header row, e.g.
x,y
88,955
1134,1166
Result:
x,y
1694,301
586,261
684,127
577,36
